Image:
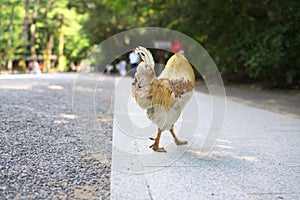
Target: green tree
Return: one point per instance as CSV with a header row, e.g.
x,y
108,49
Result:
x,y
249,40
46,27
10,16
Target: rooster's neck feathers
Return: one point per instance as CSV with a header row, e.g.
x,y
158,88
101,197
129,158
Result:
x,y
178,68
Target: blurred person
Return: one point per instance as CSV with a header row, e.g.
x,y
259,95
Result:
x,y
108,69
30,67
36,67
122,67
134,59
72,67
41,65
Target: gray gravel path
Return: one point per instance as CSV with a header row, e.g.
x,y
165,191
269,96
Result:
x,y
43,154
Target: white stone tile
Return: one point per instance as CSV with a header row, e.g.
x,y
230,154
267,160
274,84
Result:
x,y
257,155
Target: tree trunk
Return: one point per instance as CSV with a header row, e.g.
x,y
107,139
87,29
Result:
x,y
25,23
49,4
61,58
32,28
49,45
9,40
2,54
48,53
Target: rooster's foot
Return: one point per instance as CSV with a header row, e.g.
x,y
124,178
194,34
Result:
x,y
177,141
180,142
155,145
156,148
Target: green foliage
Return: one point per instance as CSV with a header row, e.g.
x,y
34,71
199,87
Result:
x,y
6,7
53,17
249,40
270,50
76,42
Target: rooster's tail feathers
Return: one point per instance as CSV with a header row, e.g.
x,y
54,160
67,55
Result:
x,y
145,55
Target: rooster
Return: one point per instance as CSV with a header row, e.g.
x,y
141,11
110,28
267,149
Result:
x,y
164,96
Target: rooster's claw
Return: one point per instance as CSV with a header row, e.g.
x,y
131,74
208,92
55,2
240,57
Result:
x,y
180,142
156,148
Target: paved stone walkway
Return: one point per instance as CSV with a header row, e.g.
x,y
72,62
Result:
x,y
257,156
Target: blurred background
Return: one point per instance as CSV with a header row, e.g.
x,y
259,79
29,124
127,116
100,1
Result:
x,y
250,41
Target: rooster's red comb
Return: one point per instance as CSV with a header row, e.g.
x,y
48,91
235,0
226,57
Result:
x,y
177,46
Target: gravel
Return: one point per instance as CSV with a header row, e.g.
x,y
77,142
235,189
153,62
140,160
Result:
x,y
45,153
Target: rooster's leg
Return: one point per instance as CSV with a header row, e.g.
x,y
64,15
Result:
x,y
177,141
155,145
